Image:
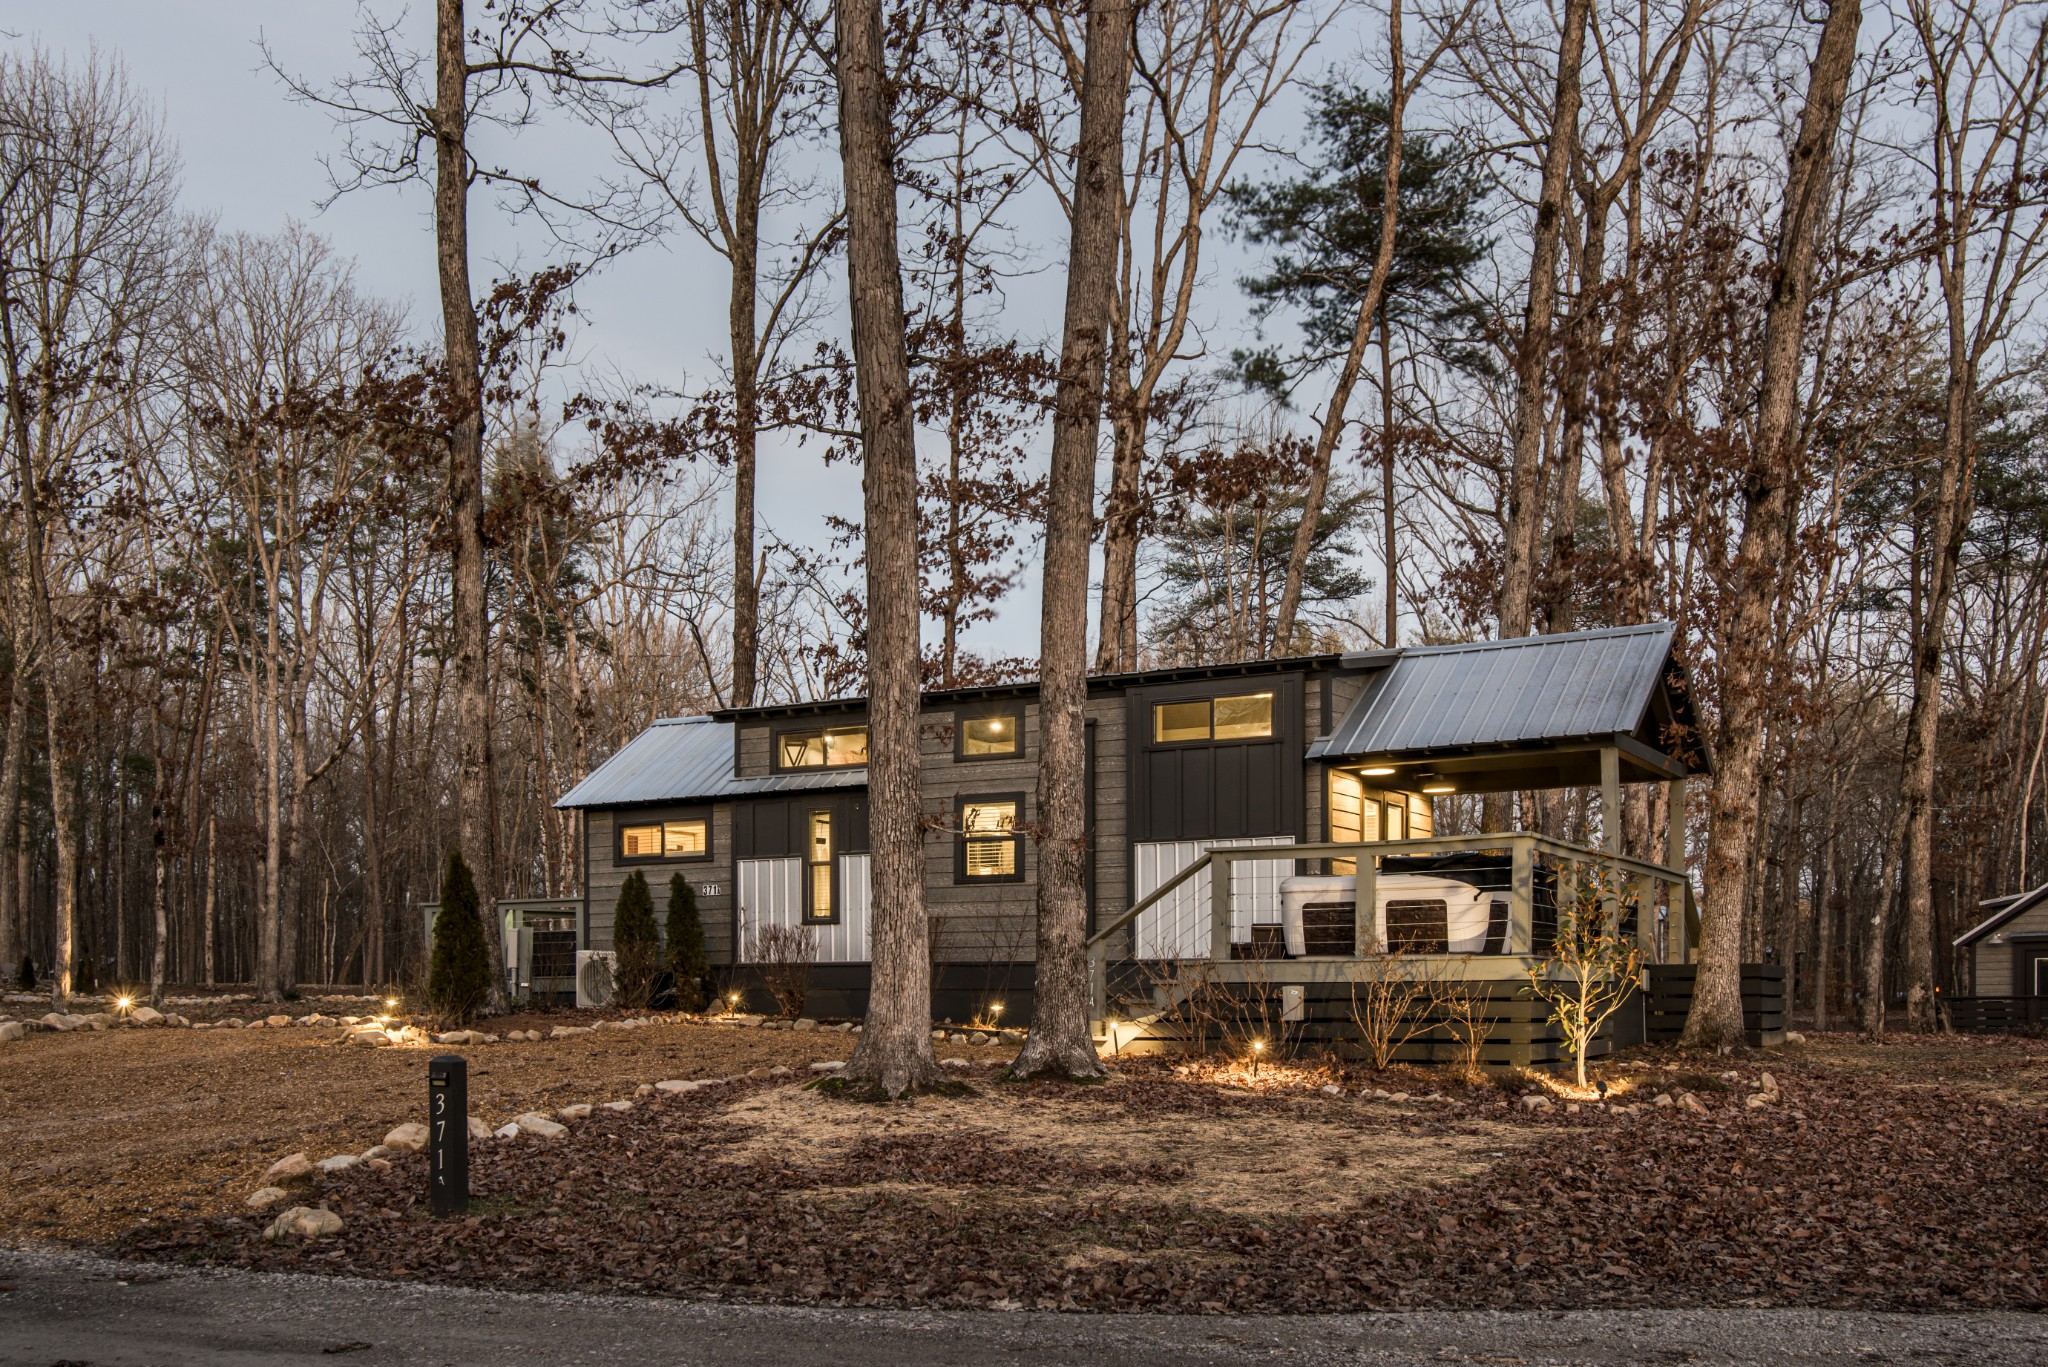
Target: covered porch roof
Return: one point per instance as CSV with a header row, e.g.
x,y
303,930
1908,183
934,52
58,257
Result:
x,y
1533,712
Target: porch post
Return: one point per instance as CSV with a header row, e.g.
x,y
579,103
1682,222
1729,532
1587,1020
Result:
x,y
1365,911
1219,908
1610,799
1521,897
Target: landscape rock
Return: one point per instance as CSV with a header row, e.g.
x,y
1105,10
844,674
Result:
x,y
779,1071
11,1031
572,1114
832,1066
233,1022
145,1015
376,1151
452,1037
303,1222
293,1167
373,1038
538,1125
277,1022
674,1085
339,1162
56,1022
1689,1102
954,1063
407,1138
478,1130
1536,1101
508,1130
1332,1089
1663,1099
1794,1037
618,1105
804,1023
263,1198
977,1038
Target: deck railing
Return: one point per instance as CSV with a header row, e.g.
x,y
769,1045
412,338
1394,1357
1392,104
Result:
x,y
1529,856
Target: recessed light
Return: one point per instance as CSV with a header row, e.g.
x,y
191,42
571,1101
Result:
x,y
1378,771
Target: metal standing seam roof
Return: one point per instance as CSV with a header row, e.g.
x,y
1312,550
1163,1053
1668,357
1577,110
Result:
x,y
682,759
1502,693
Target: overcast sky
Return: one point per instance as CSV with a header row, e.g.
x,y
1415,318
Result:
x,y
252,160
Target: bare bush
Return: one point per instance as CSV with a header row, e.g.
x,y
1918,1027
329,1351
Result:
x,y
784,954
1391,1000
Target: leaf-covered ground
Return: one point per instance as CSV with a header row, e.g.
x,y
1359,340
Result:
x,y
1911,1179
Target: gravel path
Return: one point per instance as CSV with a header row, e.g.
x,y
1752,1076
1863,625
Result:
x,y
70,1308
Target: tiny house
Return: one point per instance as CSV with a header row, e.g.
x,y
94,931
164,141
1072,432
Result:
x,y
1281,772
2005,957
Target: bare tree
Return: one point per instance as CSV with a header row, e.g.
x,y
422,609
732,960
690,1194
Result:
x,y
1059,1041
1749,639
895,1050
1982,81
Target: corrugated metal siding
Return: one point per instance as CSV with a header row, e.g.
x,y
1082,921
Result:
x,y
1178,928
683,758
771,894
1587,683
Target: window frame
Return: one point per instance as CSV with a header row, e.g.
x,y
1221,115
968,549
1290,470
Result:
x,y
1013,714
830,863
1015,838
619,825
776,738
1273,729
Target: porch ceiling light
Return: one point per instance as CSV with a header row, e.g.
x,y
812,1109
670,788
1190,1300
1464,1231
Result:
x,y
1377,770
1434,783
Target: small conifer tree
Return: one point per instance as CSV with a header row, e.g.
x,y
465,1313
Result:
x,y
28,974
636,945
459,975
686,959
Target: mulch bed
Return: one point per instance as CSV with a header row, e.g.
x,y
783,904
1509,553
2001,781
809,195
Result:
x,y
1852,1193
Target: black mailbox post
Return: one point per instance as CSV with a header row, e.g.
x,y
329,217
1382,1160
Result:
x,y
448,1134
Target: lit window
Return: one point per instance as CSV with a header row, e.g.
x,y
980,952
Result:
x,y
995,735
988,839
818,868
826,749
1242,716
665,840
1181,721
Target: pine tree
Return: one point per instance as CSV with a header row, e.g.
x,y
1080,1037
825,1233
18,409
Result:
x,y
459,976
685,931
635,944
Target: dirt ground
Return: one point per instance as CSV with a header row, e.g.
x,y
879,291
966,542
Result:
x,y
1906,1175
101,1130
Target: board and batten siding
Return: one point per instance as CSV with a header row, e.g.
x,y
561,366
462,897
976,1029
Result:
x,y
711,877
977,922
1178,927
771,894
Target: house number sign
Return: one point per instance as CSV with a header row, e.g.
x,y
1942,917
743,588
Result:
x,y
448,1135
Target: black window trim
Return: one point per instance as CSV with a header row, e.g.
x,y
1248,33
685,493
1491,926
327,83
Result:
x,y
620,822
1016,839
1153,704
963,715
803,909
775,736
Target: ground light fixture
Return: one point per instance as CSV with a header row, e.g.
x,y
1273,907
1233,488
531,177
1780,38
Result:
x,y
124,1004
1258,1051
391,1003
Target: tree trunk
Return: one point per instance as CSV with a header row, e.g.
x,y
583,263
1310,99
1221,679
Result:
x,y
1059,1041
476,834
13,915
212,899
1516,602
895,1050
1117,649
1749,648
746,597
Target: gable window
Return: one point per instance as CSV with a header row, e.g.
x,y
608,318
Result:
x,y
818,905
835,747
665,840
988,839
991,735
1240,716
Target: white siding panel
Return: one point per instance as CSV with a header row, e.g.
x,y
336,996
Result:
x,y
1178,927
771,894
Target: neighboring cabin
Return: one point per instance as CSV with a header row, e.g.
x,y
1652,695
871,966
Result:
x,y
2008,950
764,809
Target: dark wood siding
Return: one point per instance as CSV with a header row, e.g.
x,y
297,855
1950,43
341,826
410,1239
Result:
x,y
773,827
711,877
1219,789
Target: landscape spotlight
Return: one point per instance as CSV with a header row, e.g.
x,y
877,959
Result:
x,y
995,1008
391,1003
124,1003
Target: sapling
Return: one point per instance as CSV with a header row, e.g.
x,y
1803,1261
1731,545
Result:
x,y
1593,965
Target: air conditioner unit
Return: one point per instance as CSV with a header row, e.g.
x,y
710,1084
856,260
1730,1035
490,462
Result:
x,y
594,977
